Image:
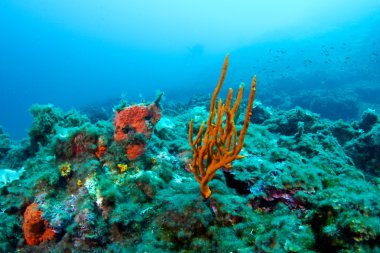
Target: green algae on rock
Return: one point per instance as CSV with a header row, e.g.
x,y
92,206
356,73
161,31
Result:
x,y
306,185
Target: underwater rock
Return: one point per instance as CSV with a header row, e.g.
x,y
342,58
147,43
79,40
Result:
x,y
8,175
199,100
343,131
287,123
274,196
5,143
73,119
97,112
345,215
331,105
368,120
365,151
79,142
260,113
368,92
296,190
45,117
11,232
16,156
164,125
183,221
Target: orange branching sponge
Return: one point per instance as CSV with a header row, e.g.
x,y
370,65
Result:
x,y
219,145
35,228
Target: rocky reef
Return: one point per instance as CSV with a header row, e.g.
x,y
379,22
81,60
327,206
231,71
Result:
x,y
306,184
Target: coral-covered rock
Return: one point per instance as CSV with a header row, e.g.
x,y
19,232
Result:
x,y
35,228
134,124
260,113
5,143
343,131
296,190
273,196
329,104
102,146
364,151
45,117
287,123
368,120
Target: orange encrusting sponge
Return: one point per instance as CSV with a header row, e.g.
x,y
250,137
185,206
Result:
x,y
35,228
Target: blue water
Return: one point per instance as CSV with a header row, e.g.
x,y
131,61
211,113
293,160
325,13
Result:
x,y
74,54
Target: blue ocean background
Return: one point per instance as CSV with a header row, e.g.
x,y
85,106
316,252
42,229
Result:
x,y
76,54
